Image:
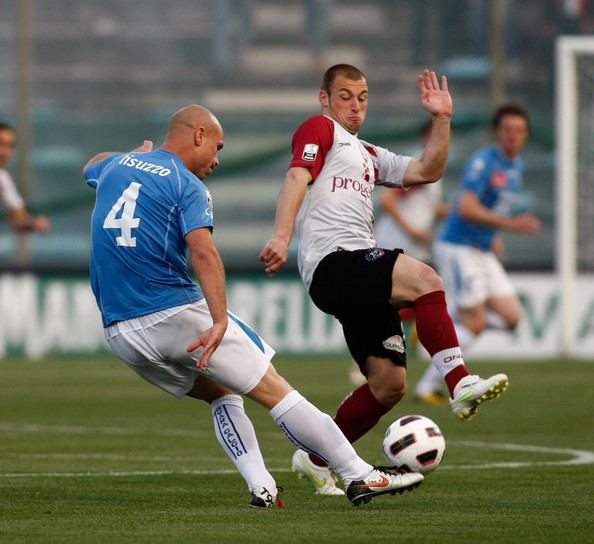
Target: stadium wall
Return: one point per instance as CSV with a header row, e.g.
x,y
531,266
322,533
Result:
x,y
42,315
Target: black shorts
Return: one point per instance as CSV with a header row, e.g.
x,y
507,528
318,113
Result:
x,y
355,287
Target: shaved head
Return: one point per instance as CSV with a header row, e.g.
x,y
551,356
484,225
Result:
x,y
193,117
196,136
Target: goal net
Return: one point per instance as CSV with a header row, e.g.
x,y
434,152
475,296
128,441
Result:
x,y
574,184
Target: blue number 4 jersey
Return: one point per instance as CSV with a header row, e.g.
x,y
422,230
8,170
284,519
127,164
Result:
x,y
145,205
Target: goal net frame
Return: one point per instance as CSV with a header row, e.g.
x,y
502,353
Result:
x,y
566,181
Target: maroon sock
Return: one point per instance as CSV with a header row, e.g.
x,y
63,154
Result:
x,y
407,314
358,413
436,331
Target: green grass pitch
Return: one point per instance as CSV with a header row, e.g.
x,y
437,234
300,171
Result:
x,y
91,453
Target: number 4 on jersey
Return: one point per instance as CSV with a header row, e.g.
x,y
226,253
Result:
x,y
126,222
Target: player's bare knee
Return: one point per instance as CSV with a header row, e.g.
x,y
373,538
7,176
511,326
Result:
x,y
388,393
412,279
430,280
207,390
389,397
513,322
427,281
271,389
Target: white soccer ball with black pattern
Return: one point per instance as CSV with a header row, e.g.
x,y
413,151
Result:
x,y
414,444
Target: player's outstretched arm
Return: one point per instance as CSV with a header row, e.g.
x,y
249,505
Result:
x,y
21,221
145,147
276,252
210,272
471,209
389,202
435,99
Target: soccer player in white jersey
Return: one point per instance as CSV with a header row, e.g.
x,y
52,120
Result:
x,y
11,200
326,198
151,206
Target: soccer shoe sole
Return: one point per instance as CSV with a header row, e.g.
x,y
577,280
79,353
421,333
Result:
x,y
278,503
366,497
493,393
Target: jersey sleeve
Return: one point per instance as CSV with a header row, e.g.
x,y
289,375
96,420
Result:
x,y
475,174
94,171
311,143
389,168
10,197
195,207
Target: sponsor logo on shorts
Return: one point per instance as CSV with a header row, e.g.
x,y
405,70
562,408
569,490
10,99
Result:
x,y
310,152
374,254
394,343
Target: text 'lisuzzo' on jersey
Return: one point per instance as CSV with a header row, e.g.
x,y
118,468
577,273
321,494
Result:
x,y
133,162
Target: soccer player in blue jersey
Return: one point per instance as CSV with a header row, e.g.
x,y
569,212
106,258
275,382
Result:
x,y
151,206
468,249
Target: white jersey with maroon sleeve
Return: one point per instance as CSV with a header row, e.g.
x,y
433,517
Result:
x,y
337,211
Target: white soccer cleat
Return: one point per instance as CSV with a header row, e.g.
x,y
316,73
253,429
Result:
x,y
264,498
473,390
322,478
379,482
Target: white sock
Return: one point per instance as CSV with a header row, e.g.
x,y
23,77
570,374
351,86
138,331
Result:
x,y
314,431
495,321
465,336
446,360
430,382
237,436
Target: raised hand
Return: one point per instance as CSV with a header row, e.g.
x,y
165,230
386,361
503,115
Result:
x,y
436,100
146,146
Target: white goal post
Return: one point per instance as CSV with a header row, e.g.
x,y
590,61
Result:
x,y
574,176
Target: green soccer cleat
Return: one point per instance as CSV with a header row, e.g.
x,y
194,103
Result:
x,y
322,478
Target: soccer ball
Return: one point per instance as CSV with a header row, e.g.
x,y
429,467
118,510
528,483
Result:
x,y
414,444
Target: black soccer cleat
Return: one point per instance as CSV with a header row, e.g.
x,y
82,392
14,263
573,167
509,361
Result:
x,y
380,482
262,498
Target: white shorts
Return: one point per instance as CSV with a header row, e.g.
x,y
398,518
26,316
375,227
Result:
x,y
154,346
470,276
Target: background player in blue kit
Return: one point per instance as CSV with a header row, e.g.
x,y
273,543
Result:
x,y
150,207
468,250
